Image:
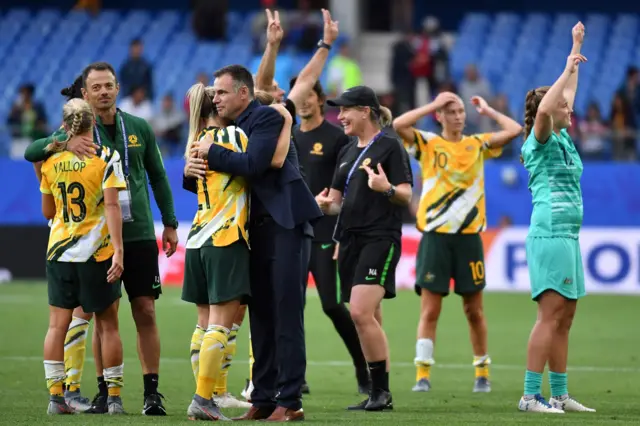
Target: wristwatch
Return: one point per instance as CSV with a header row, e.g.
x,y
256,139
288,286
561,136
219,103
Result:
x,y
390,192
321,44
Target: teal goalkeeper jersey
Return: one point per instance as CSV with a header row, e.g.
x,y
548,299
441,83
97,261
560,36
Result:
x,y
554,170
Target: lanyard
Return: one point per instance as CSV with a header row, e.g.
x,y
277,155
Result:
x,y
96,133
355,165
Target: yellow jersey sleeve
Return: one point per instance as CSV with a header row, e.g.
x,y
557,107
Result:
x,y
113,175
488,151
45,188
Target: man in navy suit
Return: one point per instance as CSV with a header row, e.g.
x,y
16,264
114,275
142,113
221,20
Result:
x,y
282,208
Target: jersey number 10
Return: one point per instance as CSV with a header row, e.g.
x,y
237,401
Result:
x,y
77,199
440,159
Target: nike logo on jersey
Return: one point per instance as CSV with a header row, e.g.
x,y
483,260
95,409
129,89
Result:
x,y
370,278
344,164
325,246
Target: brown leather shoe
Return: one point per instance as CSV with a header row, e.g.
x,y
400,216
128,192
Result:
x,y
282,414
255,413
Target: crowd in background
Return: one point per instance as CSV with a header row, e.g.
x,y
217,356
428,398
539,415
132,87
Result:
x,y
419,61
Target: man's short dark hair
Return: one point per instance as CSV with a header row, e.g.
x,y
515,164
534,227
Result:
x,y
240,76
135,42
97,66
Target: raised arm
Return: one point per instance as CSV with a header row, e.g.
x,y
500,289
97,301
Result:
x,y
263,135
405,123
510,128
572,85
284,140
311,72
267,68
552,100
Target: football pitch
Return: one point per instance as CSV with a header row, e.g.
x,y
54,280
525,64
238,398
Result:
x,y
604,357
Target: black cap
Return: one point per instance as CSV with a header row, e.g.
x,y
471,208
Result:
x,y
357,96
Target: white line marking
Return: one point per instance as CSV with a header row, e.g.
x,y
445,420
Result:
x,y
185,360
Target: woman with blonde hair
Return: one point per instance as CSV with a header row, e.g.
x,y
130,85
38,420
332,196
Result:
x,y
85,254
371,188
217,259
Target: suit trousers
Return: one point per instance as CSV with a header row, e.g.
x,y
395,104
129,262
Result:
x,y
279,260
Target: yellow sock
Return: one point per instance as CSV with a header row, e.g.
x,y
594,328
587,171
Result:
x,y
423,371
482,365
75,348
54,375
114,377
251,360
196,344
211,352
227,357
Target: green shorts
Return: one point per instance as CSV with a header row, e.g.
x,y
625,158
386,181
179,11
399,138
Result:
x,y
442,257
72,284
215,275
555,264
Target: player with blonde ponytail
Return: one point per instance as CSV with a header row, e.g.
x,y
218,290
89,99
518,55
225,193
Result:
x,y
217,259
85,253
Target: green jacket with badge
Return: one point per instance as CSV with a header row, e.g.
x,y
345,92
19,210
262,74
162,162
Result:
x,y
144,159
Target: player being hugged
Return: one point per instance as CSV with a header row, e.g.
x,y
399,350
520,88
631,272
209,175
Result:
x,y
85,253
451,215
552,245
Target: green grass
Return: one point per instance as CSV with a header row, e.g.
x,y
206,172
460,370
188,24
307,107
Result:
x,y
604,371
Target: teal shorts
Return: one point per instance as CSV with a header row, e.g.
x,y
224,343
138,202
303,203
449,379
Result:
x,y
555,263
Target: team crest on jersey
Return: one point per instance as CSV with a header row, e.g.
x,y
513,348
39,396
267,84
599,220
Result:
x,y
469,148
365,162
317,149
133,141
429,277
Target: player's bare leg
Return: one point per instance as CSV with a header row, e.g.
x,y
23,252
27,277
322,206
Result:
x,y
560,397
474,311
430,308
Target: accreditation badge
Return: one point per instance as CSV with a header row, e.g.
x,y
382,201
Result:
x,y
125,203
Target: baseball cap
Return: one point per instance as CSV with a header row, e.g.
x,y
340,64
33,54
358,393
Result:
x,y
357,96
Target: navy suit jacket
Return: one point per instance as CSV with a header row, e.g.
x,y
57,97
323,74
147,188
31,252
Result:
x,y
283,192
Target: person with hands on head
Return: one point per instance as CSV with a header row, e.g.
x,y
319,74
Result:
x,y
281,216
552,244
451,214
85,253
371,186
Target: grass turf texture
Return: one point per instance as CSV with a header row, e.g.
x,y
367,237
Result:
x,y
603,360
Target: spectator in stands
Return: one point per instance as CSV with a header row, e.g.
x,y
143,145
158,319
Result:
x,y
306,26
438,50
138,104
630,91
92,6
473,85
402,79
593,133
167,124
623,127
136,71
27,119
203,78
343,71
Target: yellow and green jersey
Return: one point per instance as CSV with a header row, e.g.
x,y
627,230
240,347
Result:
x,y
79,230
223,199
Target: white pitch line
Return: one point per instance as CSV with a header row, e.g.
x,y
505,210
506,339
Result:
x,y
185,360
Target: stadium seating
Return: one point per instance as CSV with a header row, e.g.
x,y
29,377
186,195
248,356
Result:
x,y
49,48
515,52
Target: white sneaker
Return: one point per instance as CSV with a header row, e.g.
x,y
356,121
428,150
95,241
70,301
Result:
x,y
246,392
537,404
569,404
227,400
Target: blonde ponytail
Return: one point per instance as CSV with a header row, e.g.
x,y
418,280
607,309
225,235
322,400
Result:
x,y
195,95
78,118
386,118
265,98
